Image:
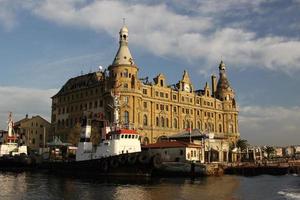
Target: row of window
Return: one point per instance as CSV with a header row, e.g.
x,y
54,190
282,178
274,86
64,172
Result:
x,y
80,107
207,103
81,95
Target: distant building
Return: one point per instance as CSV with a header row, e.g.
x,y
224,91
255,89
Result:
x,y
289,152
279,152
156,109
33,131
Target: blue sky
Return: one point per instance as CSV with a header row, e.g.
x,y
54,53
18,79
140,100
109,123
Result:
x,y
45,42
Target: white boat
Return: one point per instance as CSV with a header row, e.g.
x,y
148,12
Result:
x,y
117,140
12,146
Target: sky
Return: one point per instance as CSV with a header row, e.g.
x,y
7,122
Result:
x,y
43,43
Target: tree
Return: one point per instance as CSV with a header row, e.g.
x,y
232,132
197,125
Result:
x,y
242,144
74,134
269,150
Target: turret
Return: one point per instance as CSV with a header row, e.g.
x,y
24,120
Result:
x,y
123,71
224,91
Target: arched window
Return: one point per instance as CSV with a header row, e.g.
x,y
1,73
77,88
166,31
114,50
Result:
x,y
231,128
157,121
162,122
220,128
175,124
126,73
126,117
145,120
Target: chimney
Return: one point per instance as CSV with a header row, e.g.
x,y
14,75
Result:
x,y
26,116
214,85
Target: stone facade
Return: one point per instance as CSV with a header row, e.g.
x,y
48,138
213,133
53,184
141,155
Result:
x,y
33,131
155,109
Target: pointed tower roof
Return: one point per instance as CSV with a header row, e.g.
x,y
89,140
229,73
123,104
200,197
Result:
x,y
223,83
186,77
123,56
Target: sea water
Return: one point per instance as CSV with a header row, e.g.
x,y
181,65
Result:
x,y
41,186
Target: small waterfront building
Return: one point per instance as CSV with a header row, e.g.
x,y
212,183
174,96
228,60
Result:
x,y
297,152
279,152
33,131
176,151
289,152
215,148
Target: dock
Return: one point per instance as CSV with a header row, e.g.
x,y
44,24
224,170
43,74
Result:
x,y
259,168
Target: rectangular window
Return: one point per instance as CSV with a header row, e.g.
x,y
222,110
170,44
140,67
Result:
x,y
174,97
156,93
183,110
144,91
157,106
167,108
145,104
161,107
161,94
167,95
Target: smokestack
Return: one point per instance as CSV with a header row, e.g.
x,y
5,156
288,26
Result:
x,y
214,85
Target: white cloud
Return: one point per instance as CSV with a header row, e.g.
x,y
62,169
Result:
x,y
160,30
22,101
270,125
164,32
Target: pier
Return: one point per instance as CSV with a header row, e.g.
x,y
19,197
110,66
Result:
x,y
268,167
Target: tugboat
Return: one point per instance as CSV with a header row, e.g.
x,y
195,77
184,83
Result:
x,y
118,154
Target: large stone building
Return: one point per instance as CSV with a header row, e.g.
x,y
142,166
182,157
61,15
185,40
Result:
x,y
155,109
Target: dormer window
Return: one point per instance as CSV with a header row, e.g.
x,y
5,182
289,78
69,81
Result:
x,y
161,83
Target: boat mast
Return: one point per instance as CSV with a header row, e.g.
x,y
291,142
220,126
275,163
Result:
x,y
116,110
10,124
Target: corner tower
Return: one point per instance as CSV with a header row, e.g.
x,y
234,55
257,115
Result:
x,y
224,91
123,71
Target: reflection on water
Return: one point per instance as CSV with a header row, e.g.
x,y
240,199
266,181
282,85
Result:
x,y
15,186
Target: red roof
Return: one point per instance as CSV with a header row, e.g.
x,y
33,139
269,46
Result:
x,y
124,131
170,144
